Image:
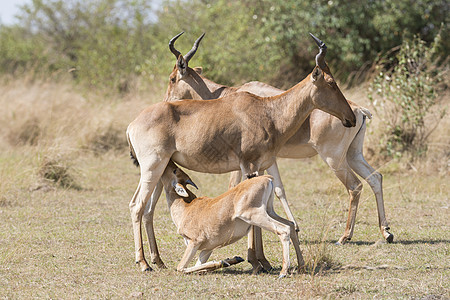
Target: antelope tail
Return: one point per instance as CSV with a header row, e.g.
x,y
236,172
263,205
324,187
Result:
x,y
132,153
366,112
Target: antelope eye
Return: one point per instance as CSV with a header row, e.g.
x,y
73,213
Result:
x,y
173,79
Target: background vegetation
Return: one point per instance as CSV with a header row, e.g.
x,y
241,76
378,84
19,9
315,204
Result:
x,y
108,43
73,74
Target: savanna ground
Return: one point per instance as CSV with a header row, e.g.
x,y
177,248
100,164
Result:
x,y
73,239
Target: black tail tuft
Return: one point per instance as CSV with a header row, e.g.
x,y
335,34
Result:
x,y
134,159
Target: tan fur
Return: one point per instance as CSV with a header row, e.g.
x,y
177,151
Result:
x,y
240,131
210,223
321,133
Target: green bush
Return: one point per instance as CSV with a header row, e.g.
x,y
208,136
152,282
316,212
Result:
x,y
21,51
111,43
100,43
407,85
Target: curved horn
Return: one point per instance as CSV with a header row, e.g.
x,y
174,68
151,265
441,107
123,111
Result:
x,y
191,53
189,181
320,58
171,46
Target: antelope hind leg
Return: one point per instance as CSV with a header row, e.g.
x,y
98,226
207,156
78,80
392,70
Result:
x,y
214,265
148,224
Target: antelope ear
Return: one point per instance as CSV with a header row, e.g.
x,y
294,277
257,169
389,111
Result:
x,y
181,65
179,189
198,70
316,73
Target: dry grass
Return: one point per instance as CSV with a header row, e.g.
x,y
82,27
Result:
x,y
60,242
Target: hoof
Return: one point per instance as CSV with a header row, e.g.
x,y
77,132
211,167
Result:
x,y
161,266
257,269
231,261
282,276
159,263
266,269
224,264
390,238
343,240
144,267
239,259
265,264
338,243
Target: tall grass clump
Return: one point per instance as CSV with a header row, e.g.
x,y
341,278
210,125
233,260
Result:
x,y
106,138
317,256
406,96
57,171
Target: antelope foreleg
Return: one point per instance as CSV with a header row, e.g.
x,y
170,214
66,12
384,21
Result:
x,y
187,256
354,187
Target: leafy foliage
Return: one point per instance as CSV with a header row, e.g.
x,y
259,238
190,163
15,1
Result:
x,y
99,42
111,43
408,85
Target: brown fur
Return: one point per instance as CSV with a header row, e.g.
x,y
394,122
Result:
x,y
209,223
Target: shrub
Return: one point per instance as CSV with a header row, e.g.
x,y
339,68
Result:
x,y
105,139
28,133
112,43
57,171
408,86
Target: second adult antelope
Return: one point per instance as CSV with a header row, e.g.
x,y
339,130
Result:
x,y
341,148
241,131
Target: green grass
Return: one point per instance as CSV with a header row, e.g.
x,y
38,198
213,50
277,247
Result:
x,y
69,243
72,241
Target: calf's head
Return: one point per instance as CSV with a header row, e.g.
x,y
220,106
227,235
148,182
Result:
x,y
176,180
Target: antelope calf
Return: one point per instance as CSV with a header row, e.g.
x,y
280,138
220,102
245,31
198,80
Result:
x,y
209,223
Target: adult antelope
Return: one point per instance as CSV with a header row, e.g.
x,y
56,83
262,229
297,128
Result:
x,y
239,131
210,223
321,133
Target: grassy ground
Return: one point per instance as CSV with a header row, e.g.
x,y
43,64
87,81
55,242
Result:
x,y
62,242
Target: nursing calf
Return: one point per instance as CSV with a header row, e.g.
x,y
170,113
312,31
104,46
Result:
x,y
210,223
